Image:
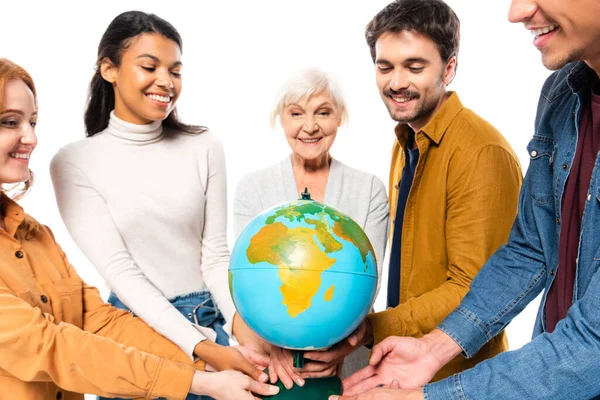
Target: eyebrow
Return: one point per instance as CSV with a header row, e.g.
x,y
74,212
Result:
x,y
156,59
15,111
323,104
407,61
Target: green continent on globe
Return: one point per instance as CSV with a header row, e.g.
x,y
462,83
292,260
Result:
x,y
343,226
292,250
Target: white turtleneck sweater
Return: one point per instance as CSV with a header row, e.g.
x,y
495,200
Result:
x,y
149,210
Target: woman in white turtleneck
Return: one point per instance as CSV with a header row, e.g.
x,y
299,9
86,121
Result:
x,y
144,196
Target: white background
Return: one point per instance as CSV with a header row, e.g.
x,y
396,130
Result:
x,y
236,54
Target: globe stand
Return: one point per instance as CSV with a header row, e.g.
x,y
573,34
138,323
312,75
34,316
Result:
x,y
313,389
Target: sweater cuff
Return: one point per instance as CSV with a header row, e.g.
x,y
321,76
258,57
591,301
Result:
x,y
384,324
446,389
173,380
467,330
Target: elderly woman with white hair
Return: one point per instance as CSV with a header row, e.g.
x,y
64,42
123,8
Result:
x,y
310,108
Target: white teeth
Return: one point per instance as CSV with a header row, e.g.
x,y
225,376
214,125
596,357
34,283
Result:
x,y
544,30
310,140
24,156
401,99
162,99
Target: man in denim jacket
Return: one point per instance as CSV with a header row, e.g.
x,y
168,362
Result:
x,y
554,246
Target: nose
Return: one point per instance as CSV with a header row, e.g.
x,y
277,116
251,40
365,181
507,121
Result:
x,y
521,10
399,81
310,124
164,79
28,136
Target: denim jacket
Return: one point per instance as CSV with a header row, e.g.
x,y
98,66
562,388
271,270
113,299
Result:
x,y
566,363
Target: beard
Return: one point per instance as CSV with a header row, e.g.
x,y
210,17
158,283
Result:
x,y
554,62
423,108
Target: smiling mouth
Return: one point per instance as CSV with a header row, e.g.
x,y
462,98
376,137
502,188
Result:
x,y
543,31
20,156
162,99
309,141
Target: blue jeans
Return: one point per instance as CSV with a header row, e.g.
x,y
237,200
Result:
x,y
199,308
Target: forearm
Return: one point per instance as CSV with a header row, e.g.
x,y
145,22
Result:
x,y
556,366
107,321
34,348
419,315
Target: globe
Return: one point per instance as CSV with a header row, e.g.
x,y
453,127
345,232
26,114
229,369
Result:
x,y
303,275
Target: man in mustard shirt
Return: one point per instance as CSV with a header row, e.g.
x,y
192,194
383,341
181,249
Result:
x,y
454,180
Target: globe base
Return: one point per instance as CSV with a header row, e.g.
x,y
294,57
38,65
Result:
x,y
313,389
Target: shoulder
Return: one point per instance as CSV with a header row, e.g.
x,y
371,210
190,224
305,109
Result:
x,y
557,83
78,153
471,133
363,179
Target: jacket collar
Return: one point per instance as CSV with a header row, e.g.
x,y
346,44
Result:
x,y
13,214
581,76
437,126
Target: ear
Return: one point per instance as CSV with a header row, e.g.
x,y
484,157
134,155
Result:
x,y
340,121
108,70
450,70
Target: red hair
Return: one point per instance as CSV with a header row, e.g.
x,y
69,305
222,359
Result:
x,y
9,71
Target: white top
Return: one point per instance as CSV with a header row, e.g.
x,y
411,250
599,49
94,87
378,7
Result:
x,y
149,210
358,194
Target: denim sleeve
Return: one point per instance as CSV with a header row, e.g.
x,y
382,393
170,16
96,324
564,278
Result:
x,y
509,280
560,365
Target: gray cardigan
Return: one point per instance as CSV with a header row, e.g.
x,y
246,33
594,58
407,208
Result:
x,y
358,194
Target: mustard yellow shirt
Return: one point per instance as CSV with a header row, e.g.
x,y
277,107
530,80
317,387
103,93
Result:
x,y
58,338
459,211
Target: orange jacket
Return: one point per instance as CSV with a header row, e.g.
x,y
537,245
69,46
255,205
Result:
x,y
58,338
459,211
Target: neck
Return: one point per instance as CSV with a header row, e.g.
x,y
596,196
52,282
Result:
x,y
595,65
320,165
419,124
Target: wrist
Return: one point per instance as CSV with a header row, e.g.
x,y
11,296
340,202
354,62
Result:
x,y
200,383
441,346
204,348
368,338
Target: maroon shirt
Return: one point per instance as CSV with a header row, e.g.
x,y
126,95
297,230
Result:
x,y
560,296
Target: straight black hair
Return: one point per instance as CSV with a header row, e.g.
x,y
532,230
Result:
x,y
116,39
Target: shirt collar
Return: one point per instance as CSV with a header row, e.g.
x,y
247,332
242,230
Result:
x,y
13,214
437,125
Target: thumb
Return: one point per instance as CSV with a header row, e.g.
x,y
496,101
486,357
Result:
x,y
258,359
263,388
382,349
357,335
250,370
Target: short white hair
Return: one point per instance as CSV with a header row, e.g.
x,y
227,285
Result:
x,y
305,84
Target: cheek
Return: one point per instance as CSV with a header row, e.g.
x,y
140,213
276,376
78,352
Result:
x,y
291,129
381,81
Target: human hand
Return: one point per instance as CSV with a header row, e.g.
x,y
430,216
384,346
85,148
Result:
x,y
327,363
229,385
281,367
247,337
409,361
383,393
220,358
